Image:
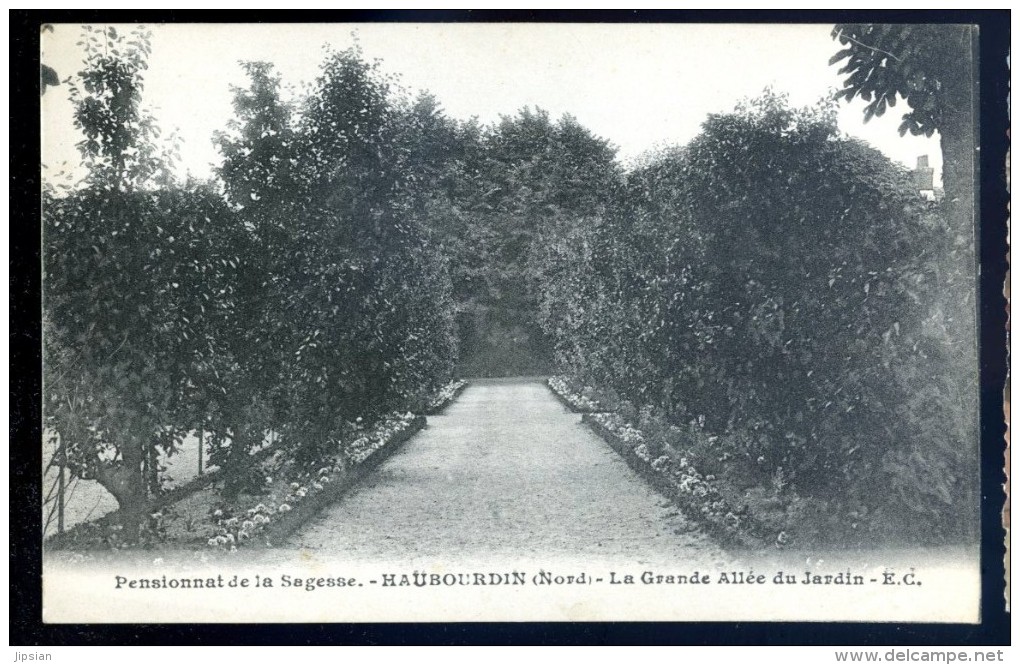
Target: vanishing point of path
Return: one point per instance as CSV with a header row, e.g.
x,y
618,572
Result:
x,y
505,472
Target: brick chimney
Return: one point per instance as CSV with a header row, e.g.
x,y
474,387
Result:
x,y
924,175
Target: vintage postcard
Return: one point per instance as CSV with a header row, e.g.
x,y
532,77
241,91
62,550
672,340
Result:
x,y
408,322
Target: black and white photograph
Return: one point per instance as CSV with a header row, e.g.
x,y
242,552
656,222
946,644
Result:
x,y
511,322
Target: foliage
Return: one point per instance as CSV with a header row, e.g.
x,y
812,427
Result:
x,y
306,295
914,62
119,137
352,295
770,283
134,296
771,301
932,68
132,274
512,188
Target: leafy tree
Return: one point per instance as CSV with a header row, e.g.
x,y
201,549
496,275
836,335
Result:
x,y
523,181
312,295
259,163
107,392
139,287
348,299
119,144
262,182
932,68
771,287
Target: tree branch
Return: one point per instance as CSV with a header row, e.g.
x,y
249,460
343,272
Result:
x,y
873,48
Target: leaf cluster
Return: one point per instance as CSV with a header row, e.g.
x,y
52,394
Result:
x,y
773,285
302,294
917,63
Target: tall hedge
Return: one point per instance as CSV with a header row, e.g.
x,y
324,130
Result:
x,y
777,283
301,292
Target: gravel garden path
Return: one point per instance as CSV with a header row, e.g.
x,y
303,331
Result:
x,y
505,471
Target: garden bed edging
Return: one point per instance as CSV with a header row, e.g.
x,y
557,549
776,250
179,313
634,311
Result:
x,y
306,510
670,489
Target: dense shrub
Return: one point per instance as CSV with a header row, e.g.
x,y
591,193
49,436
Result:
x,y
772,297
774,282
512,188
136,296
349,275
305,295
138,281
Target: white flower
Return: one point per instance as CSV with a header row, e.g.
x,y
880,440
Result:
x,y
284,507
247,524
213,542
217,513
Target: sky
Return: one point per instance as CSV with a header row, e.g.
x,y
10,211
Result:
x,y
640,86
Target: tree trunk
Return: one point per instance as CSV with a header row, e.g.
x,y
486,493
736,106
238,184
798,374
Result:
x,y
236,466
958,178
958,131
124,479
960,140
152,467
